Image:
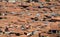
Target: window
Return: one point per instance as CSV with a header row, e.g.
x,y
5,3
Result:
x,y
17,34
25,33
35,19
53,32
32,0
50,32
35,0
1,18
47,0
58,32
